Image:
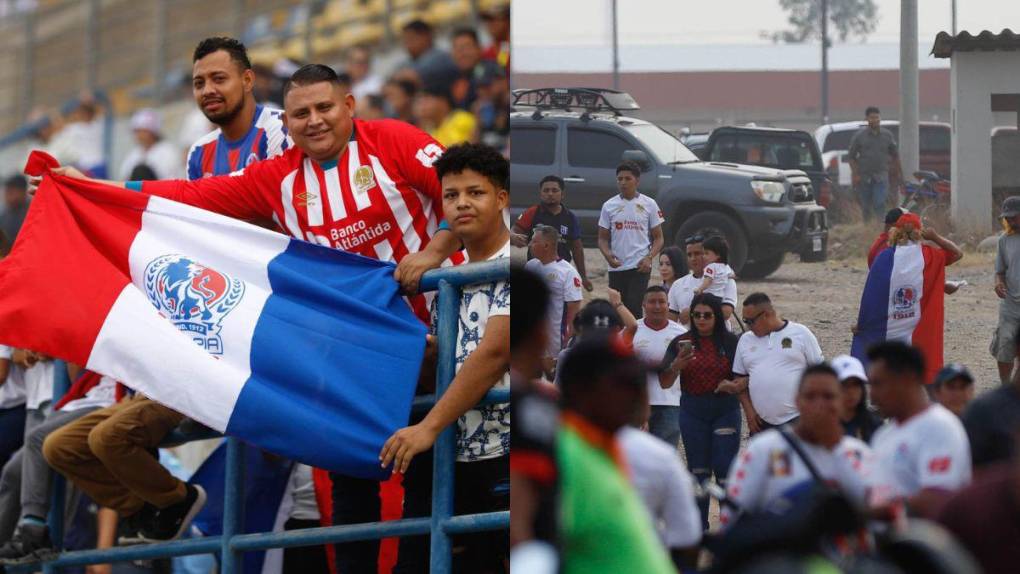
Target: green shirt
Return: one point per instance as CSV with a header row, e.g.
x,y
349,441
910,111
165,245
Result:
x,y
603,525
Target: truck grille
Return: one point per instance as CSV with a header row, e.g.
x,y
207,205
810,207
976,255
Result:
x,y
801,192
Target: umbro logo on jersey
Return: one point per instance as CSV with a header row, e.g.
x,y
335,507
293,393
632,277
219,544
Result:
x,y
305,199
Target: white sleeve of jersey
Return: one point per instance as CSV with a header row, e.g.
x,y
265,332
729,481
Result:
x,y
812,351
655,218
944,456
571,284
680,509
746,482
604,222
738,359
855,469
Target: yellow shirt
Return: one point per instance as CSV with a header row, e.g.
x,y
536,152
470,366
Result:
x,y
458,127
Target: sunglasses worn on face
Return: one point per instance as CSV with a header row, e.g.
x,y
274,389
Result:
x,y
750,322
698,315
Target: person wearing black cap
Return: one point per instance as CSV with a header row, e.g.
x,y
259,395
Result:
x,y
16,205
882,241
1007,288
597,316
954,388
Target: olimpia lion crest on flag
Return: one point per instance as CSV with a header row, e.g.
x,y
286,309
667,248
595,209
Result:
x,y
194,297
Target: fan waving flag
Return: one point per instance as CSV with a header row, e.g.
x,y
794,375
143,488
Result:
x,y
903,301
305,351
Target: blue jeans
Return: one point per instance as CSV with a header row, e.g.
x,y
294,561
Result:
x,y
873,196
710,425
664,423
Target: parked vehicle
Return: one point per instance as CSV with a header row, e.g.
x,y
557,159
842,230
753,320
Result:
x,y
581,135
778,148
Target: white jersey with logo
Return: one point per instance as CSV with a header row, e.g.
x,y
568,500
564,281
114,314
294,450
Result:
x,y
651,344
12,391
774,364
721,274
629,222
928,450
564,287
770,474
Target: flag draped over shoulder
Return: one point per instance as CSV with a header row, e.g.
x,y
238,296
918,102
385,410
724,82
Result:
x,y
302,350
903,300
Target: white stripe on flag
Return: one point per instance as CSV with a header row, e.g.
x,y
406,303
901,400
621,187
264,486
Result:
x,y
397,205
336,201
906,287
287,197
313,199
353,163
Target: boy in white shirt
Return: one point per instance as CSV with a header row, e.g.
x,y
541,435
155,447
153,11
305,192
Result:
x,y
717,272
564,285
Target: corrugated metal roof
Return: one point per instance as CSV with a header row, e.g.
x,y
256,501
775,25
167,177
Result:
x,y
986,41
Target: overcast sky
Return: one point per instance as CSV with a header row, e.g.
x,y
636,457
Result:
x,y
657,22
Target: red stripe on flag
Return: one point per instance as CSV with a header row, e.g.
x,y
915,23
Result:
x,y
68,266
928,334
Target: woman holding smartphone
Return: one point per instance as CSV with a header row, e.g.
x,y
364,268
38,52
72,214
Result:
x,y
701,362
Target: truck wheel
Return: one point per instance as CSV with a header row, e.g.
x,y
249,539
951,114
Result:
x,y
761,268
709,223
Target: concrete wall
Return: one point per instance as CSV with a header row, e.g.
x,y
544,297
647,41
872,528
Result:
x,y
975,76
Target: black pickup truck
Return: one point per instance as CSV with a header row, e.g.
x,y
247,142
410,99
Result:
x,y
582,134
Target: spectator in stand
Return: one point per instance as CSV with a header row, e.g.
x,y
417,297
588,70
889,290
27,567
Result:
x,y
682,291
364,82
152,150
772,476
651,337
12,409
433,66
436,115
768,364
80,141
267,89
564,286
15,204
467,55
400,96
874,161
630,236
493,110
604,526
698,362
922,454
671,260
954,388
497,23
1007,288
551,211
372,108
983,516
665,487
859,420
992,420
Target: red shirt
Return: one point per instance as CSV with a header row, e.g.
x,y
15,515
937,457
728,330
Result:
x,y
709,367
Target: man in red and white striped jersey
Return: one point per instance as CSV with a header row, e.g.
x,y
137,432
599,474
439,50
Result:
x,y
367,187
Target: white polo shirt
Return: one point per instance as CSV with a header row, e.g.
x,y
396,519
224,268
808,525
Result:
x,y
650,345
564,287
769,470
775,363
928,450
664,485
12,391
629,221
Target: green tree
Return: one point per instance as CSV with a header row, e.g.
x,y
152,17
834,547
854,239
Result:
x,y
847,19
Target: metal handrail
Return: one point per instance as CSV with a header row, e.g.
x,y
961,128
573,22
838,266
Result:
x,y
232,543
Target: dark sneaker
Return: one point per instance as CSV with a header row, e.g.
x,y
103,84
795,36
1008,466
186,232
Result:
x,y
31,543
128,529
171,522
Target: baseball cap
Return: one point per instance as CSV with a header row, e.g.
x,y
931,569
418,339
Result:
x,y
848,367
893,215
953,371
599,314
146,119
1011,206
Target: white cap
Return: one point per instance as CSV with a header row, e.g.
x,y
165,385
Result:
x,y
146,119
848,367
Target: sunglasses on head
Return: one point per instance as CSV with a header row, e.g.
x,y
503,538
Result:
x,y
698,238
700,315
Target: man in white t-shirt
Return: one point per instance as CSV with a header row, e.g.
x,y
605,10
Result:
x,y
564,285
651,336
922,454
630,236
151,149
770,475
769,362
681,293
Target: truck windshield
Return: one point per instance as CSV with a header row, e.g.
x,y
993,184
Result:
x,y
667,149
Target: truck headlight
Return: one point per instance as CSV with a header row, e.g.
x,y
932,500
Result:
x,y
771,191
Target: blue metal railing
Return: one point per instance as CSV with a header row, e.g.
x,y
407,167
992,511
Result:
x,y
231,545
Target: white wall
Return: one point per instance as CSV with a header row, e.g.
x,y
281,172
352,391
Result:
x,y
974,77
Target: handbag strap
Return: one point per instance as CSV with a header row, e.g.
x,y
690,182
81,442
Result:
x,y
795,445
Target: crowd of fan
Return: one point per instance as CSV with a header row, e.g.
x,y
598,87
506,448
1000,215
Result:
x,y
893,467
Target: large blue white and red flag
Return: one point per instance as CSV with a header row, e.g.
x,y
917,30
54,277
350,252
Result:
x,y
903,301
305,351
